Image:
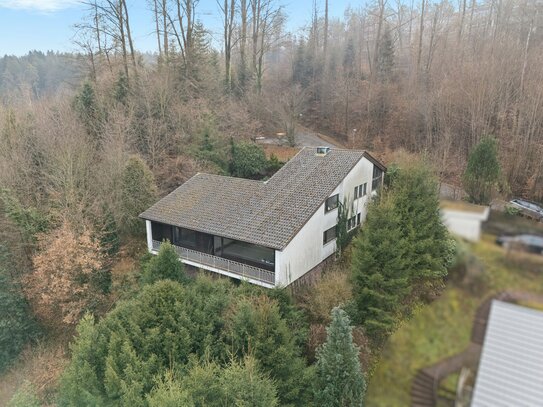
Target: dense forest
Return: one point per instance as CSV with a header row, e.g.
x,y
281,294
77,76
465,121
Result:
x,y
89,140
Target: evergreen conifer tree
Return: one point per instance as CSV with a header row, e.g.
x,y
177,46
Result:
x,y
138,192
86,106
415,194
339,377
483,171
16,325
385,56
380,270
165,265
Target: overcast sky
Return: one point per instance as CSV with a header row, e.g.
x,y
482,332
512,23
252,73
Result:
x,y
48,24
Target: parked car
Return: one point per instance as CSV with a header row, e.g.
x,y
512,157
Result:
x,y
527,208
530,243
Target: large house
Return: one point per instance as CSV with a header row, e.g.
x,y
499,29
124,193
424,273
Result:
x,y
271,232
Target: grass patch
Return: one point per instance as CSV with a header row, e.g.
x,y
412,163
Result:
x,y
442,328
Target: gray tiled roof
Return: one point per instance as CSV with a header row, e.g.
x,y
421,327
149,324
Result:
x,y
266,213
511,365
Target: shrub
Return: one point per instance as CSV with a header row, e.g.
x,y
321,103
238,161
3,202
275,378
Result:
x,y
25,396
334,289
512,210
66,278
237,384
248,160
169,329
29,221
120,357
164,266
255,326
273,164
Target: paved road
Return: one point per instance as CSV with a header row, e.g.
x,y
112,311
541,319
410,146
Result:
x,y
309,139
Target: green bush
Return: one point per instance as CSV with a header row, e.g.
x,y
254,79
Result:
x,y
171,329
29,221
255,326
247,161
164,266
237,384
120,357
25,396
512,210
273,164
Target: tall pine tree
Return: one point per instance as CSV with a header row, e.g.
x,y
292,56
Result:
x,y
385,57
339,377
380,271
415,194
483,171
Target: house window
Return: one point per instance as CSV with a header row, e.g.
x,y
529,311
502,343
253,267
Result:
x,y
331,203
329,235
187,238
161,232
360,190
351,223
377,178
358,219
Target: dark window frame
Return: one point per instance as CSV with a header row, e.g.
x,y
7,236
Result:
x,y
328,207
377,180
325,236
351,223
361,190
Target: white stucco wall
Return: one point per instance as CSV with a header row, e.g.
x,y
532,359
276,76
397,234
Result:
x,y
464,224
149,236
306,249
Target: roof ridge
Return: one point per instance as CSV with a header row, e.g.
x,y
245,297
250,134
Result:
x,y
227,177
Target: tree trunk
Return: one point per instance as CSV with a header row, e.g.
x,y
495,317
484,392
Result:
x,y
120,16
421,32
157,28
129,34
165,30
325,38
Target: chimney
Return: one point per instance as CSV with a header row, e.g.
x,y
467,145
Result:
x,y
322,151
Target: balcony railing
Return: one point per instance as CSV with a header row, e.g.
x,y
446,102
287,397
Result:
x,y
245,271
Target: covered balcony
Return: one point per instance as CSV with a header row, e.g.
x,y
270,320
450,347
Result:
x,y
241,260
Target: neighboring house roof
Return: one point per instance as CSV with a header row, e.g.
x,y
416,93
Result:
x,y
511,365
265,213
